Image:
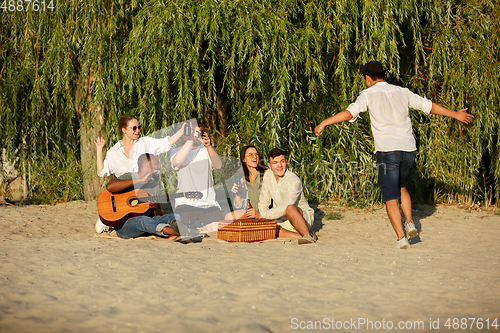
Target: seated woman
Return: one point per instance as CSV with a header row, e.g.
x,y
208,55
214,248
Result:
x,y
123,156
253,170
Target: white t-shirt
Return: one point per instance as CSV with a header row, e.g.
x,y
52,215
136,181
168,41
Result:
x,y
195,174
389,106
117,163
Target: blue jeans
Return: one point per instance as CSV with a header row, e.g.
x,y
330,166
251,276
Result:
x,y
394,168
139,225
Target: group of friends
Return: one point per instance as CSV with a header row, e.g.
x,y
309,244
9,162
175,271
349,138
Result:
x,y
269,193
275,193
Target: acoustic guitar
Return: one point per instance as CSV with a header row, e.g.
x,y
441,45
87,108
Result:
x,y
116,208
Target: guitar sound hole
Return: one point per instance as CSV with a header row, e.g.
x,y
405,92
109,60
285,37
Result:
x,y
134,202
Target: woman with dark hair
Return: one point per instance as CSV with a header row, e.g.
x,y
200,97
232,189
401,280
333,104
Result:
x,y
253,171
122,157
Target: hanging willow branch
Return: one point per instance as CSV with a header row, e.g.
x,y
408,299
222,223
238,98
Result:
x,y
261,72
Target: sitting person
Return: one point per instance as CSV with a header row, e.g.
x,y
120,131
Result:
x,y
193,162
253,173
290,208
153,221
123,156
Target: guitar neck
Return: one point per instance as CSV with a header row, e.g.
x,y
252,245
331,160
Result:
x,y
159,198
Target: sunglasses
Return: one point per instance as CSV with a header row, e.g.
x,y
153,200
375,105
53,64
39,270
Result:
x,y
252,155
135,128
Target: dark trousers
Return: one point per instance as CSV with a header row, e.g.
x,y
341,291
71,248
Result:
x,y
195,217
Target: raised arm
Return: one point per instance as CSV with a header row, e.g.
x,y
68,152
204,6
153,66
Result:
x,y
182,153
173,139
214,157
99,144
338,118
459,115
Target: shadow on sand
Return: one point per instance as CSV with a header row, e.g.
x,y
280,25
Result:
x,y
419,213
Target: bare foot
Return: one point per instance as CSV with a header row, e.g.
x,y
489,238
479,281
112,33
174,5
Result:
x,y
172,237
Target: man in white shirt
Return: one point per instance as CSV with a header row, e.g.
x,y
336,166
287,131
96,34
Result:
x,y
193,162
395,146
290,208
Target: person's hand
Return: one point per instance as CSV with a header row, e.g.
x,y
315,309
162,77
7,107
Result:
x,y
205,139
464,116
183,126
253,213
99,143
235,189
156,208
196,134
148,177
318,130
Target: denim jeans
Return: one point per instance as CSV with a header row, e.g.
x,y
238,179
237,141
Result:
x,y
394,168
138,225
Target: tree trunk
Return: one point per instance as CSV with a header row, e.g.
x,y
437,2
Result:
x,y
219,118
91,126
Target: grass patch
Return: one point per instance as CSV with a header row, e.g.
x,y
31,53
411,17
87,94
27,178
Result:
x,y
333,216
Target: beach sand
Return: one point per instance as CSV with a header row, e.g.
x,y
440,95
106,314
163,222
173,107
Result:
x,y
55,276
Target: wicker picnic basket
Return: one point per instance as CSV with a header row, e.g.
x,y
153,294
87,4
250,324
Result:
x,y
247,230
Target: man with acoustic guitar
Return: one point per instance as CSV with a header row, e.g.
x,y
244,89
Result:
x,y
153,221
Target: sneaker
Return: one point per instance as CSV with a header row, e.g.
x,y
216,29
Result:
x,y
184,240
402,244
411,231
306,239
101,227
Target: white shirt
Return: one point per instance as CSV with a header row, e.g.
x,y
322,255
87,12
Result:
x,y
288,191
195,174
389,106
117,163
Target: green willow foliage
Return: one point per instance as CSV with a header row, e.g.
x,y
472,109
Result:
x,y
260,72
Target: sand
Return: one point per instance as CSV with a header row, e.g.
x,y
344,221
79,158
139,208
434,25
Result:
x,y
55,276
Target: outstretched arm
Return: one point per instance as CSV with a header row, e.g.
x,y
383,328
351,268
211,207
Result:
x,y
173,139
338,118
459,115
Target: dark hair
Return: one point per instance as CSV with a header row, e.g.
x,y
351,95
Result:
x,y
260,168
143,158
377,76
123,122
275,152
